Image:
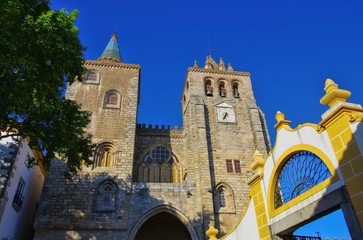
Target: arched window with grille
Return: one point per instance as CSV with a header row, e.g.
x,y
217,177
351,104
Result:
x,y
221,198
106,196
224,199
302,171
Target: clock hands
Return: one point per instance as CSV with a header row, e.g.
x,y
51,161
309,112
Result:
x,y
225,115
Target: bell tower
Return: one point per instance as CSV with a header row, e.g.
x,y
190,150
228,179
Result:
x,y
110,90
224,127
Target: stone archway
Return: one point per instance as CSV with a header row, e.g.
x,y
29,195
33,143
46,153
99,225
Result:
x,y
163,226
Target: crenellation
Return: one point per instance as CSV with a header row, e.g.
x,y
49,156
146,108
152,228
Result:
x,y
151,170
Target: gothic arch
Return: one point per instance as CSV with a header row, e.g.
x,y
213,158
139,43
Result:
x,y
159,164
105,199
104,155
163,209
224,198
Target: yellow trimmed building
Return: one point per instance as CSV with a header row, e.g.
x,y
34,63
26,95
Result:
x,y
312,170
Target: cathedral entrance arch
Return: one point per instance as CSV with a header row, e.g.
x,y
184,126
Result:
x,y
163,223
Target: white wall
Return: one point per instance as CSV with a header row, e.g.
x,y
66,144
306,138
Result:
x,y
17,225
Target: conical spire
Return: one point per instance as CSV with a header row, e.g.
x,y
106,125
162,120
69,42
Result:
x,y
111,51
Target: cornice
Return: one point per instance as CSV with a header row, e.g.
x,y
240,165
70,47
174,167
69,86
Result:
x,y
219,72
108,63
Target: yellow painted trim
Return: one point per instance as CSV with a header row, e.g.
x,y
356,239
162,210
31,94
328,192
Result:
x,y
318,128
350,110
279,165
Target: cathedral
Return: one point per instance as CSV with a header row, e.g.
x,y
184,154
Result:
x,y
157,182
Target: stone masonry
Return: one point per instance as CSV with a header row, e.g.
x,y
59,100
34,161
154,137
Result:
x,y
141,173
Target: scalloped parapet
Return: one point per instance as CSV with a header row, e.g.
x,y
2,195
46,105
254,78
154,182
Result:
x,y
333,94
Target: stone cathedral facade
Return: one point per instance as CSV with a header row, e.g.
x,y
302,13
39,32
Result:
x,y
157,182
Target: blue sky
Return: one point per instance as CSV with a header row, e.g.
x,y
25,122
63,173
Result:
x,y
289,47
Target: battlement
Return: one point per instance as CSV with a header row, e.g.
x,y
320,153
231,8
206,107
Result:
x,y
156,130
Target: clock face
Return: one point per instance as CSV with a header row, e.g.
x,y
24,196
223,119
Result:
x,y
225,114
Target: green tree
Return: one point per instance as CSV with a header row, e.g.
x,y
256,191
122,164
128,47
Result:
x,y
40,53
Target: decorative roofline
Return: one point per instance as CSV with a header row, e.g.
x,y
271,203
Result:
x,y
106,63
214,71
148,131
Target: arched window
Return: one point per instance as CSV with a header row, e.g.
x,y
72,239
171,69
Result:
x,y
106,194
112,99
159,165
222,89
235,90
154,172
104,156
143,174
177,173
224,199
221,198
301,172
208,88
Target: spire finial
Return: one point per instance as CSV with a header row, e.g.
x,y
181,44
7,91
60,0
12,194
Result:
x,y
333,94
195,64
230,68
112,51
221,65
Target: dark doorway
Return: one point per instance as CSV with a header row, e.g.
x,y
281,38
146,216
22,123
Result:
x,y
163,226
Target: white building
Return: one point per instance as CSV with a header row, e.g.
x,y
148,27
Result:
x,y
20,189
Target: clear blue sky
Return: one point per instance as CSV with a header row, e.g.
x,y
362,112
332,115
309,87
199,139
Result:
x,y
289,47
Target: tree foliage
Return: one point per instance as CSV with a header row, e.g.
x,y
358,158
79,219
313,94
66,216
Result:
x,y
40,52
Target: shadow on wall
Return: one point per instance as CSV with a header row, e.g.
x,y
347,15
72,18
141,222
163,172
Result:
x,y
101,206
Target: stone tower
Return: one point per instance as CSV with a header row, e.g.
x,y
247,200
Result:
x,y
151,182
223,128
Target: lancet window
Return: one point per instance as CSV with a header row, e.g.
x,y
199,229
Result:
x,y
224,199
106,194
159,165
